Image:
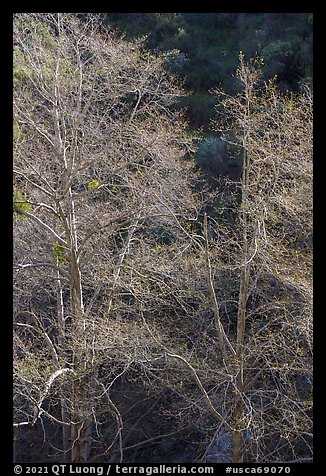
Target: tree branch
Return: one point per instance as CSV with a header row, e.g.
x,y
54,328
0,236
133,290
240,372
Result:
x,y
198,381
43,264
218,324
43,225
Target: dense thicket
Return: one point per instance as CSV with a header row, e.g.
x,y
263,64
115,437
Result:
x,y
98,182
162,314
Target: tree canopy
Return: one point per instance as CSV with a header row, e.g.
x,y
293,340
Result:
x,y
162,271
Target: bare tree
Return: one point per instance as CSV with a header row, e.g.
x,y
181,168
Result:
x,y
114,273
255,374
275,294
97,150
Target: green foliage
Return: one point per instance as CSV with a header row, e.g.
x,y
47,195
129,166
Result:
x,y
211,153
66,71
45,35
18,134
21,72
278,48
40,37
203,49
175,60
32,369
21,204
58,253
40,29
257,60
16,131
93,184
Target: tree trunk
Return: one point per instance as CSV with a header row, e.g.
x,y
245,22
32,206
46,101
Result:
x,y
65,430
82,423
81,434
237,447
16,445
